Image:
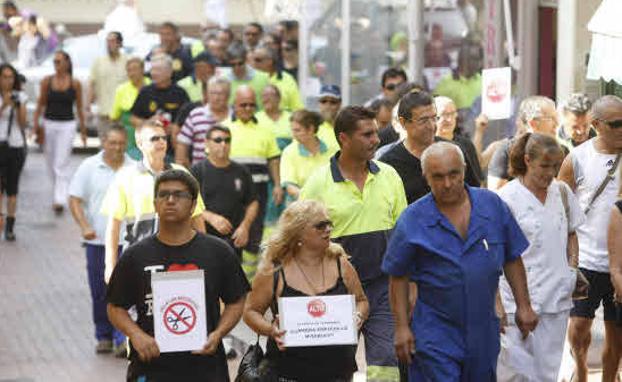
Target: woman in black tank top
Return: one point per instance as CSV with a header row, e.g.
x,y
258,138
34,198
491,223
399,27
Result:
x,y
59,92
301,261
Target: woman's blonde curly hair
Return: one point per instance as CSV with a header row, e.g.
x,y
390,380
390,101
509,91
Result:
x,y
282,245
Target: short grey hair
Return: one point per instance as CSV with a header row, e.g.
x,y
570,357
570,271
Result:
x,y
531,107
441,101
162,58
219,80
441,148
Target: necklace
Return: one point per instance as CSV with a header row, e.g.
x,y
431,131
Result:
x,y
315,290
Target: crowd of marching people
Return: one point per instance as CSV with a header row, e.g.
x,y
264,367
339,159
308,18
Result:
x,y
469,260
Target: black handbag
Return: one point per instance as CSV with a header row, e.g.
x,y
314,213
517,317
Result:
x,y
254,366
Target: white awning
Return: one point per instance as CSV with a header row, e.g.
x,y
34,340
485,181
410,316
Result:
x,y
606,51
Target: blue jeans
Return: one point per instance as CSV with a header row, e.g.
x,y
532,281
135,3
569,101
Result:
x,y
95,264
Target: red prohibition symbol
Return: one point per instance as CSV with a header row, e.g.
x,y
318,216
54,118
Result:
x,y
179,318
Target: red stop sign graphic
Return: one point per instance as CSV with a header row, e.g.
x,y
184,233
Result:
x,y
316,308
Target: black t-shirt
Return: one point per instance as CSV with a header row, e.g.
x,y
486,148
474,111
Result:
x,y
409,168
152,100
387,135
226,191
470,154
130,285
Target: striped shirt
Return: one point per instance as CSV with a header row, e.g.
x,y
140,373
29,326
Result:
x,y
194,129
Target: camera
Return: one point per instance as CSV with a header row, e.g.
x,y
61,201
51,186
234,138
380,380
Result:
x,y
15,98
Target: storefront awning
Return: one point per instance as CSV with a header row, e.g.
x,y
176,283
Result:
x,y
606,51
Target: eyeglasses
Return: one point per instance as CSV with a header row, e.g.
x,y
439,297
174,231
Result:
x,y
447,115
156,138
240,63
248,105
321,226
176,194
422,120
392,86
330,101
613,124
220,140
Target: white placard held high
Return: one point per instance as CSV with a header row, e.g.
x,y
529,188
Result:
x,y
318,320
497,93
179,320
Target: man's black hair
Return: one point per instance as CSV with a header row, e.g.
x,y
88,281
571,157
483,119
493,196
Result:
x,y
256,25
392,73
220,128
412,100
348,117
118,36
170,25
175,175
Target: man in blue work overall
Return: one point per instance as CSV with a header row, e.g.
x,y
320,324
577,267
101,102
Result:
x,y
453,244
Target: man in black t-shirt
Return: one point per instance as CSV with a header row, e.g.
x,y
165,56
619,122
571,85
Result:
x,y
227,190
417,114
176,247
162,98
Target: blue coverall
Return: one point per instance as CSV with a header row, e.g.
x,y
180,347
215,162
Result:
x,y
454,323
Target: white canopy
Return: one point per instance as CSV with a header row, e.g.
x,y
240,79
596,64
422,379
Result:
x,y
606,52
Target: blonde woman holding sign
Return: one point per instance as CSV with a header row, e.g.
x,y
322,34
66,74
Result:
x,y
303,262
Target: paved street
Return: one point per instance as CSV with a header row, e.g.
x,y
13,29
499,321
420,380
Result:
x,y
46,332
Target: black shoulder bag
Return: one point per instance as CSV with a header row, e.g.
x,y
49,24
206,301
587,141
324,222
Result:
x,y
254,367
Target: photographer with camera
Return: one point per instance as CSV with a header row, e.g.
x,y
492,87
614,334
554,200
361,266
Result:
x,y
12,144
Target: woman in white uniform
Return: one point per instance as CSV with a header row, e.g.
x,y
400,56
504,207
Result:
x,y
548,213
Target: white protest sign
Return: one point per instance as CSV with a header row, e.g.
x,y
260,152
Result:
x,y
497,93
179,320
318,320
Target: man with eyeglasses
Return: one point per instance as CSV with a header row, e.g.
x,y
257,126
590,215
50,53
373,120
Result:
x,y
392,78
129,198
191,139
254,145
243,74
592,172
537,114
330,103
417,114
176,246
227,189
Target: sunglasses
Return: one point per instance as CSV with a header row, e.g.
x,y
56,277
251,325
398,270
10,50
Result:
x,y
392,86
258,59
330,101
613,124
240,63
321,226
248,105
156,138
220,140
176,194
